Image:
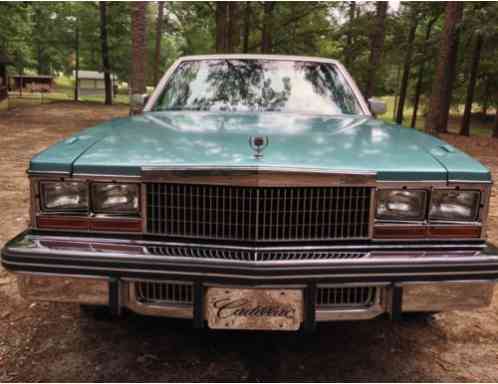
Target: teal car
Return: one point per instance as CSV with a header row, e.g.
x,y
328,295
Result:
x,y
257,192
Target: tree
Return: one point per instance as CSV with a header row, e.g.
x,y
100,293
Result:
x,y
348,49
442,86
414,16
221,26
481,30
495,133
376,46
421,68
137,79
227,26
465,127
105,52
159,35
233,27
266,35
247,23
76,61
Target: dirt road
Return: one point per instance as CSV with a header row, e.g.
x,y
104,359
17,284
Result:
x,y
55,342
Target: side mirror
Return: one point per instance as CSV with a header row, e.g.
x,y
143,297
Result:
x,y
137,103
378,107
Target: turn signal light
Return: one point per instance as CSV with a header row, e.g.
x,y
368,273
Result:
x,y
422,232
58,222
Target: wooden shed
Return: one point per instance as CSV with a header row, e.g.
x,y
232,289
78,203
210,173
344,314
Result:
x,y
92,83
31,83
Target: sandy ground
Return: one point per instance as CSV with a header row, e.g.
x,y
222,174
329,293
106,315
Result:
x,y
55,342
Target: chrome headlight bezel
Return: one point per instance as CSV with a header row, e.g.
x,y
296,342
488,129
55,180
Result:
x,y
68,188
439,195
129,193
418,216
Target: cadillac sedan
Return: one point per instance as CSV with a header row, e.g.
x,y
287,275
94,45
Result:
x,y
257,192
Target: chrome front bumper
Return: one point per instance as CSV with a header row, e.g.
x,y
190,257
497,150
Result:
x,y
416,297
104,271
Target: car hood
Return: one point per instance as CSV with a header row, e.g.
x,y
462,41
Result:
x,y
192,139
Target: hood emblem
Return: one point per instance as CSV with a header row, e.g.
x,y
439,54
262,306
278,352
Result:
x,y
258,144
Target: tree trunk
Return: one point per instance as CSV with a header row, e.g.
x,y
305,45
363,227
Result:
x,y
105,52
406,70
486,96
221,26
396,96
449,90
348,50
266,36
139,48
159,35
247,21
495,134
465,128
233,32
421,71
77,63
442,85
376,47
39,55
39,20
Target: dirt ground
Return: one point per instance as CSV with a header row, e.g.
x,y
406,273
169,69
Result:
x,y
55,342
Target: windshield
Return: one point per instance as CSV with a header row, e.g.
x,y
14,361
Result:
x,y
238,85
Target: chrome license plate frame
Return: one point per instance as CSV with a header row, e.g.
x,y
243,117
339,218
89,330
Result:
x,y
254,308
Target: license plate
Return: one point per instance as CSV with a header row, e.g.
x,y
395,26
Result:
x,y
254,308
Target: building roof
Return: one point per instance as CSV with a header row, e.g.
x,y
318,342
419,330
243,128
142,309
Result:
x,y
92,75
32,76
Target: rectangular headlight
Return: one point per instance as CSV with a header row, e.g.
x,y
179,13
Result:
x,y
403,204
115,198
64,196
454,205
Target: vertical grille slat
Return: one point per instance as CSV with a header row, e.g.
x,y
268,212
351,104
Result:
x,y
258,213
345,296
248,255
151,292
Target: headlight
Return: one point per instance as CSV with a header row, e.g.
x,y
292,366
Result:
x,y
400,204
115,198
453,205
64,196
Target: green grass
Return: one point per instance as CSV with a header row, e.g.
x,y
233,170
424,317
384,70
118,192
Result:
x,y
478,127
36,98
63,91
64,82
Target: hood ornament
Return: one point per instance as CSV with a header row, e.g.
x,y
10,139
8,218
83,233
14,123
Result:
x,y
258,144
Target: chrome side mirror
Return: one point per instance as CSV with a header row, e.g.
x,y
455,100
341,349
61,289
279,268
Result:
x,y
377,106
139,99
137,102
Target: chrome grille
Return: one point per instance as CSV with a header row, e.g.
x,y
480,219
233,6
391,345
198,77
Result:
x,y
304,255
181,293
258,213
150,292
250,255
346,296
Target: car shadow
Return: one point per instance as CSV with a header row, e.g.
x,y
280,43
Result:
x,y
158,349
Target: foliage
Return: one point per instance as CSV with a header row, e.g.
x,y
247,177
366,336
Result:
x,y
40,37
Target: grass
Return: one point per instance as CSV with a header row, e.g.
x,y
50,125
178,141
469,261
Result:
x,y
63,91
38,98
478,127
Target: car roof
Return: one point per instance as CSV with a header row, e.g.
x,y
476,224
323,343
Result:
x,y
241,56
